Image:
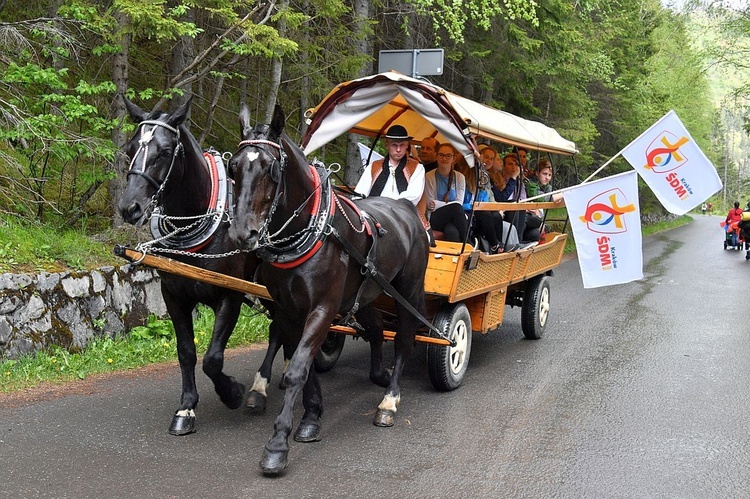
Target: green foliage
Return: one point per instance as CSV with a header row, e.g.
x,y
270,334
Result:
x,y
454,17
600,72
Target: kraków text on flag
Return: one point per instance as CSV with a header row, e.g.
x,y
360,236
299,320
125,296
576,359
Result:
x,y
606,223
673,166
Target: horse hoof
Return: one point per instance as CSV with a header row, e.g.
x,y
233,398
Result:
x,y
384,418
182,424
273,462
307,432
234,400
256,401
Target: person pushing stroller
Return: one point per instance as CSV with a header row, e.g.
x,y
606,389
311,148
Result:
x,y
734,217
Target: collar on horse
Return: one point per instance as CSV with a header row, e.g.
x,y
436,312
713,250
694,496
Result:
x,y
166,234
308,241
294,250
195,236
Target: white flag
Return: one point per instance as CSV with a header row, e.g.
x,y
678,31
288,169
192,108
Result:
x,y
673,166
364,154
606,224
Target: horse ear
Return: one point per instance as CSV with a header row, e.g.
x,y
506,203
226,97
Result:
x,y
278,120
136,113
245,126
180,113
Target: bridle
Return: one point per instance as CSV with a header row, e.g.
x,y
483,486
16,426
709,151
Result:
x,y
297,247
143,145
277,171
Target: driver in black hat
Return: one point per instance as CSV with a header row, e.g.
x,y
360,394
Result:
x,y
397,175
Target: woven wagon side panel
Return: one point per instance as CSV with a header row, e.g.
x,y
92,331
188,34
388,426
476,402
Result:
x,y
544,259
495,309
487,274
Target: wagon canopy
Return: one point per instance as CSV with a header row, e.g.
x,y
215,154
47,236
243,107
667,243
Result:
x,y
369,106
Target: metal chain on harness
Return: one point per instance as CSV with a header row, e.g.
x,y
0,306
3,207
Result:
x,y
272,241
151,246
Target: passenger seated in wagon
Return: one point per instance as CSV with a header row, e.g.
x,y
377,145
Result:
x,y
489,225
538,183
445,189
397,176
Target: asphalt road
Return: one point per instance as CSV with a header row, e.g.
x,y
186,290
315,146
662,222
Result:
x,y
636,390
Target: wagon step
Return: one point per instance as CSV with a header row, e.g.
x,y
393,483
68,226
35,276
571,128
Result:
x,y
390,335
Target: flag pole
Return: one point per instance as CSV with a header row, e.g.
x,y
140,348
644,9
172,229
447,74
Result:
x,y
584,182
601,167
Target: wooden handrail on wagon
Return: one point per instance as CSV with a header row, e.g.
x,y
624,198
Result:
x,y
513,206
225,281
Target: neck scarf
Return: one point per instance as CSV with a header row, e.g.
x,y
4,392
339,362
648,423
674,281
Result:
x,y
398,173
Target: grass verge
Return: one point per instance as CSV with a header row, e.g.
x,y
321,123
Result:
x,y
27,247
148,344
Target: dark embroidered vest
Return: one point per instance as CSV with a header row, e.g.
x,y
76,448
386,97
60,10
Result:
x,y
403,173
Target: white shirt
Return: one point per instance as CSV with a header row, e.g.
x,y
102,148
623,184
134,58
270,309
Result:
x,y
414,188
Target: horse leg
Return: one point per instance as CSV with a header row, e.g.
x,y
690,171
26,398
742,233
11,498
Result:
x,y
288,352
256,398
183,421
226,313
276,452
372,321
404,344
312,400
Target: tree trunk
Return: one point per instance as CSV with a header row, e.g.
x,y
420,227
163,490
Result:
x,y
304,58
183,54
120,78
353,169
275,83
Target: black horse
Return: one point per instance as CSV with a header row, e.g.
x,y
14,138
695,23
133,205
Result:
x,y
312,243
172,182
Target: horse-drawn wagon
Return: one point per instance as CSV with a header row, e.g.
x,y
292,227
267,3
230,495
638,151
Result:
x,y
308,239
466,289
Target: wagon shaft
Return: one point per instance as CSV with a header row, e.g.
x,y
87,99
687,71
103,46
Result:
x,y
193,272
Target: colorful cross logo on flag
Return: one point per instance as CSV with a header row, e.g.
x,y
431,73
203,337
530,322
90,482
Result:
x,y
606,224
673,166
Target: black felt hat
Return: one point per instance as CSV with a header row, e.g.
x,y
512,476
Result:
x,y
397,132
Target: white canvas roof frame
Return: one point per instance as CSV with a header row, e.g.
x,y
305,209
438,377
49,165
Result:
x,y
369,106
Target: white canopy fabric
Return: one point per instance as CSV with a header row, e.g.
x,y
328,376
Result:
x,y
369,106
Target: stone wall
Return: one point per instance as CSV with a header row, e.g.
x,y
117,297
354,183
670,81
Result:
x,y
68,309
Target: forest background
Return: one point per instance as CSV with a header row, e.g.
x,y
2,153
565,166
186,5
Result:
x,y
599,71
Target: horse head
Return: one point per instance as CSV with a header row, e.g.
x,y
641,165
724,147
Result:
x,y
259,181
155,152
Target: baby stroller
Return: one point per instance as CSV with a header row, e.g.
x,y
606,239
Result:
x,y
733,236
